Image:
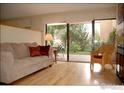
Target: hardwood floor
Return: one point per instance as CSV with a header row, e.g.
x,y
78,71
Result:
x,y
70,73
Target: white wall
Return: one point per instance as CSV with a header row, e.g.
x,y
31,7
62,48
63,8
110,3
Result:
x,y
79,16
14,34
38,22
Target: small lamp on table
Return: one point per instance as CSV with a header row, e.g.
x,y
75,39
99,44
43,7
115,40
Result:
x,y
48,38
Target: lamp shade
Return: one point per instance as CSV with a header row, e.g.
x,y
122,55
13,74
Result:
x,y
48,37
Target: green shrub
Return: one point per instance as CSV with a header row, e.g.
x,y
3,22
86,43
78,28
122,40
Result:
x,y
74,47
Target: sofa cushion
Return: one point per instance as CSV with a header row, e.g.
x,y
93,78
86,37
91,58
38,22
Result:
x,y
44,50
33,44
31,61
6,47
20,50
34,51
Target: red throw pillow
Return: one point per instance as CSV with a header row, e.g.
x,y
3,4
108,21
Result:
x,y
44,50
34,51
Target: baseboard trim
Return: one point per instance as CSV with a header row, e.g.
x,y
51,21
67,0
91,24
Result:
x,y
1,83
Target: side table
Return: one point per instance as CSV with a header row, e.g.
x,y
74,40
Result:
x,y
55,54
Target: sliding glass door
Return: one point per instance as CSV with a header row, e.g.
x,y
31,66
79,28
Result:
x,y
80,41
75,41
59,42
104,32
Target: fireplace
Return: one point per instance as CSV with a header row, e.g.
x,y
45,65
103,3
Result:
x,y
120,42
120,63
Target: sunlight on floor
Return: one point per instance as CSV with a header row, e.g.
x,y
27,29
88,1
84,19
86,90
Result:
x,y
89,75
97,67
71,73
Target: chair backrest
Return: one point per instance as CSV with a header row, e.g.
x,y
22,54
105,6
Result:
x,y
108,48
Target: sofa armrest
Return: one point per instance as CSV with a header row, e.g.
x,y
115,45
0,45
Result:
x,y
6,66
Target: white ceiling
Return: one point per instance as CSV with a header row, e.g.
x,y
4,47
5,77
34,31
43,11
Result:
x,y
21,10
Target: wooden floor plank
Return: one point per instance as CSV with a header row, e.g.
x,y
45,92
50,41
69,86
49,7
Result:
x,y
70,73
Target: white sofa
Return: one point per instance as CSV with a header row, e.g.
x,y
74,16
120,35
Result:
x,y
15,61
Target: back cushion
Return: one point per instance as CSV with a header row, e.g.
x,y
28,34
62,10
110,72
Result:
x,y
6,47
20,50
34,51
44,50
34,44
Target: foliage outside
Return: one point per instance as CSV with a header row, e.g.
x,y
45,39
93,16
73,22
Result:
x,y
112,35
79,37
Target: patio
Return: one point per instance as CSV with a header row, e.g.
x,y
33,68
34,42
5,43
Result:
x,y
73,57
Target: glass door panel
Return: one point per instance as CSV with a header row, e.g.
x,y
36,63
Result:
x,y
104,32
80,42
59,41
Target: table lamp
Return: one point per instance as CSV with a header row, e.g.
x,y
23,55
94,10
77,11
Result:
x,y
48,38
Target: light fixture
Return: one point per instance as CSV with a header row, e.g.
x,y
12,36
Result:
x,y
48,37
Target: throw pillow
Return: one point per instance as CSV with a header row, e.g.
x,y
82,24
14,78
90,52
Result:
x,y
34,51
44,50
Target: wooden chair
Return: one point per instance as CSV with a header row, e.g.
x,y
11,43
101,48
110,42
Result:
x,y
102,55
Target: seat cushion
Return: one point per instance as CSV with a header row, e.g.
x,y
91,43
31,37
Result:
x,y
98,56
30,61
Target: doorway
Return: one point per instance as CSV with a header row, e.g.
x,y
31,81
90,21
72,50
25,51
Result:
x,y
80,41
75,41
59,42
104,31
